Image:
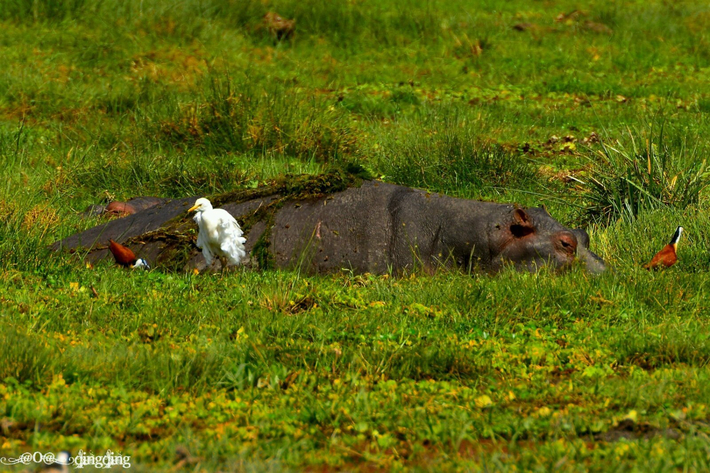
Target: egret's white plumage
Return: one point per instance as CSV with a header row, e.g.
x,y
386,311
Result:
x,y
220,234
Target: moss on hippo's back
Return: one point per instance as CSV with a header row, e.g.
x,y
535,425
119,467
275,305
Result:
x,y
300,187
181,231
290,188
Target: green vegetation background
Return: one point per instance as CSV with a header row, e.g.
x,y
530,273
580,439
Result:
x,y
598,110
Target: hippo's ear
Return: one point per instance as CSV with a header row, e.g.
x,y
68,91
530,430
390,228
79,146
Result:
x,y
522,224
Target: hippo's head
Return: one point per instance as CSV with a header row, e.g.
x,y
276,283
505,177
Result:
x,y
533,239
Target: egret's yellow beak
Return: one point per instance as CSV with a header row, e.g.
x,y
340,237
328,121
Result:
x,y
194,207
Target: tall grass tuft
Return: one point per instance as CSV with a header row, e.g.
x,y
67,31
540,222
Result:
x,y
649,173
446,153
24,358
239,115
41,10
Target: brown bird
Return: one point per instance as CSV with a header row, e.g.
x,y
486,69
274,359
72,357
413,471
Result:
x,y
667,256
125,256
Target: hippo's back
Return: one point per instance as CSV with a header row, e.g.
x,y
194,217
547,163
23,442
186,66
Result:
x,y
347,230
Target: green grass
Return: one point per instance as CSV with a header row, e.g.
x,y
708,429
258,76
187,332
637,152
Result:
x,y
277,371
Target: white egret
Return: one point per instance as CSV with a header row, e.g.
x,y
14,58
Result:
x,y
220,234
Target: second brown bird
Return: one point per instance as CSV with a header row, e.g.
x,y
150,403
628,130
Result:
x,y
667,257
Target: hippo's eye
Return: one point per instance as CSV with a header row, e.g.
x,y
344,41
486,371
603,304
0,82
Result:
x,y
566,242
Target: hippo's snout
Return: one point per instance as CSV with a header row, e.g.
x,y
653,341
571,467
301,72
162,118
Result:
x,y
594,263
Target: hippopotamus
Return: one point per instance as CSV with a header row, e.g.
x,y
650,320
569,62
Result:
x,y
372,227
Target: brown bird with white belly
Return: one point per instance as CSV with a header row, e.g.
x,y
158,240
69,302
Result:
x,y
126,257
